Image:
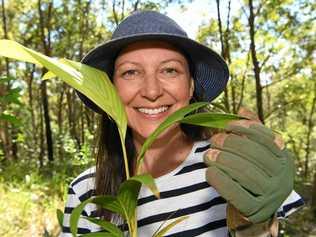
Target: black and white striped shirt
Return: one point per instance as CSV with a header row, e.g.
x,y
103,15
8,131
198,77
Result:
x,y
183,192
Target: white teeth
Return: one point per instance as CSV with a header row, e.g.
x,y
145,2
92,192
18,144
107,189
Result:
x,y
153,111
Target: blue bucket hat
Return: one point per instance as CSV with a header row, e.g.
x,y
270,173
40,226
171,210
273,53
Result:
x,y
208,69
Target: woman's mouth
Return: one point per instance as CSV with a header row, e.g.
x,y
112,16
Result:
x,y
153,111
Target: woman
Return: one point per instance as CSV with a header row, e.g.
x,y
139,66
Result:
x,y
157,70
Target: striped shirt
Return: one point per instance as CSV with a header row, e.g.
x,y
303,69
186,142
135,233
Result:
x,y
183,192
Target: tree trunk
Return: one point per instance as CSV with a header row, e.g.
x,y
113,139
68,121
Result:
x,y
32,109
60,122
47,50
223,54
42,146
256,67
314,196
310,126
4,126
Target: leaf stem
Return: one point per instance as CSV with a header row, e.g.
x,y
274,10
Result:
x,y
125,158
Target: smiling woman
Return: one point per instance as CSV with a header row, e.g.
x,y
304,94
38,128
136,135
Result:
x,y
158,70
153,80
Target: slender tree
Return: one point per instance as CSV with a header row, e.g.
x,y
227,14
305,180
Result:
x,y
46,44
255,62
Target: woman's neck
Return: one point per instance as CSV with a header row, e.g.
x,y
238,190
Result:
x,y
167,152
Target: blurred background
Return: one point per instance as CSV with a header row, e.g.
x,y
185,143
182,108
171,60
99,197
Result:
x,y
47,135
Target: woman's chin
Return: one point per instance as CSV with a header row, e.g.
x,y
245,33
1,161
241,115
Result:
x,y
141,136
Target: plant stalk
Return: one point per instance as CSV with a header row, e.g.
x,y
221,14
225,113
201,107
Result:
x,y
125,158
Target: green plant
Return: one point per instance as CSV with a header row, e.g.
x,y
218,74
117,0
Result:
x,y
12,96
93,83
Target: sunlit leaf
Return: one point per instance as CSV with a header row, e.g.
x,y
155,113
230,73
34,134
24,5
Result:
x,y
60,217
212,120
106,225
75,215
127,196
90,81
110,203
12,49
48,75
98,234
148,181
105,201
165,229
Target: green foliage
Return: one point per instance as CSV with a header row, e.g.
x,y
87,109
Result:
x,y
33,195
8,100
60,217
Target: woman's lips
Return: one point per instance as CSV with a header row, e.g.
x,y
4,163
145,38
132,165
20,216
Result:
x,y
156,112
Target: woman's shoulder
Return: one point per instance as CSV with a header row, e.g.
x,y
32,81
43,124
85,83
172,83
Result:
x,y
84,182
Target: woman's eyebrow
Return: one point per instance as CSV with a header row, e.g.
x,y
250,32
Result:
x,y
124,62
173,59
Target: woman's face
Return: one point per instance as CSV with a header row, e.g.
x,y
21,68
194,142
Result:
x,y
153,81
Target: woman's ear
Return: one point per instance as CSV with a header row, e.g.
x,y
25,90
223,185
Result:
x,y
191,87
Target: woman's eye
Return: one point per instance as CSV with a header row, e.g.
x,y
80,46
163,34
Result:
x,y
170,71
130,73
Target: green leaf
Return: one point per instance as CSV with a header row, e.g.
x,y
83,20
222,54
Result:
x,y
164,230
10,118
173,118
110,203
148,181
127,197
4,79
48,75
90,81
75,215
106,201
11,97
108,226
212,120
98,234
12,49
60,217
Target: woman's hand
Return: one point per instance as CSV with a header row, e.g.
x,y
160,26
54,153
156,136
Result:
x,y
250,167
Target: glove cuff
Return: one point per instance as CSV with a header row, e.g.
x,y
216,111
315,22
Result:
x,y
240,226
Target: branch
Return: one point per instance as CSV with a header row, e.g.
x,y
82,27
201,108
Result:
x,y
136,5
228,17
123,10
265,60
114,13
286,77
285,104
243,9
243,84
257,13
219,21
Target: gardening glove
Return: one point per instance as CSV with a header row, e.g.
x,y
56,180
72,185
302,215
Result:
x,y
249,167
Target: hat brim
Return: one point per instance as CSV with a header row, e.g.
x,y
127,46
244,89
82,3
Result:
x,y
210,70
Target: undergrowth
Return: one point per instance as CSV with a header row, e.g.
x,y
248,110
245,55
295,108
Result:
x,y
30,196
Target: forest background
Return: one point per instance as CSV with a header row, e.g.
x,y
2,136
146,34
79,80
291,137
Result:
x,y
46,134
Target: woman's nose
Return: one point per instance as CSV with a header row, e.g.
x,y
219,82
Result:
x,y
151,88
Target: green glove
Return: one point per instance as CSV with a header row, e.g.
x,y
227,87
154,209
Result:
x,y
251,172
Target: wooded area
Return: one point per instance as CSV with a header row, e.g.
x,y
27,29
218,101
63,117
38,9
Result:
x,y
46,133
